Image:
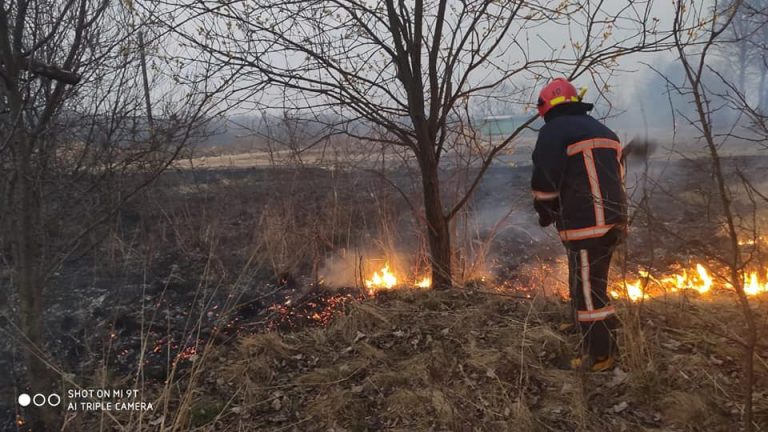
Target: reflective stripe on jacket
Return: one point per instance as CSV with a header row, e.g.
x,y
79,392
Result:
x,y
578,176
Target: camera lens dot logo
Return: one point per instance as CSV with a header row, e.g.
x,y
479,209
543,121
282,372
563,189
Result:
x,y
38,399
53,400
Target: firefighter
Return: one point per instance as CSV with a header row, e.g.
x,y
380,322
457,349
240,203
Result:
x,y
578,184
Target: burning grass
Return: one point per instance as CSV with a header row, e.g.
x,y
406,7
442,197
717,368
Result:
x,y
697,279
386,279
413,360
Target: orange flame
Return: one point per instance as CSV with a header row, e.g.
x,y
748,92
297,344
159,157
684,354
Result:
x,y
425,282
753,241
385,280
752,285
699,280
634,291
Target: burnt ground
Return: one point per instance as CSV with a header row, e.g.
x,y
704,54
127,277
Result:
x,y
177,270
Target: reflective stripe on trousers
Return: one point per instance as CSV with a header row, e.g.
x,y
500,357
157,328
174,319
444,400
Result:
x,y
588,268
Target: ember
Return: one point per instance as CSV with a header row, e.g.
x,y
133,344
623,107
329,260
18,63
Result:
x,y
316,309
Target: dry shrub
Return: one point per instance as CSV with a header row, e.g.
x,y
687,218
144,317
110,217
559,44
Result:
x,y
284,242
636,354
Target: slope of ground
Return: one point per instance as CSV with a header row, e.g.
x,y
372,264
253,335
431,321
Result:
x,y
467,360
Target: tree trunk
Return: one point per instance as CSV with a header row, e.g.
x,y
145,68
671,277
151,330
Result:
x,y
742,67
145,82
762,96
437,226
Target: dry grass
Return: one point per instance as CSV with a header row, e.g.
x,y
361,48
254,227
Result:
x,y
461,360
465,360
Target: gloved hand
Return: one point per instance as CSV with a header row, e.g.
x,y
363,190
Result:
x,y
547,211
545,220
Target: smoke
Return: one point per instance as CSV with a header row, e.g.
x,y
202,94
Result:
x,y
351,268
499,230
660,104
340,271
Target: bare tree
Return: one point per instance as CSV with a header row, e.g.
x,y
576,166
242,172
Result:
x,y
745,44
75,144
721,27
409,68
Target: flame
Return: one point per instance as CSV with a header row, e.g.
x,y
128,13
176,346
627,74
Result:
x,y
385,280
752,285
753,241
635,291
706,281
425,282
698,279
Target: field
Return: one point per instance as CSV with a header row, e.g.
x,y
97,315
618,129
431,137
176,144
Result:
x,y
235,299
317,215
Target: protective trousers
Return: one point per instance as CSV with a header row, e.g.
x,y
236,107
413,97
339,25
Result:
x,y
588,265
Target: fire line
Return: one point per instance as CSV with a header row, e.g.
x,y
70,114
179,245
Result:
x,y
697,279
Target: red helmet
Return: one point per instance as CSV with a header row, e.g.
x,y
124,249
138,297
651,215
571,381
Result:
x,y
556,92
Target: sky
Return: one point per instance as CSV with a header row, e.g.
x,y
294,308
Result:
x,y
628,87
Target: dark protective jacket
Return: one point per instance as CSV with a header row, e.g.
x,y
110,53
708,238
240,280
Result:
x,y
578,175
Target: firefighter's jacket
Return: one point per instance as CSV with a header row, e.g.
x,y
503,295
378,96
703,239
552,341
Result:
x,y
578,175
